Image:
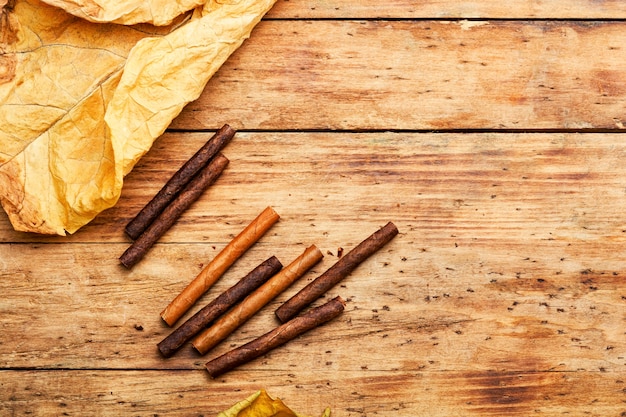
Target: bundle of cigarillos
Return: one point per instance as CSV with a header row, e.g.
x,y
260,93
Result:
x,y
235,306
222,316
183,188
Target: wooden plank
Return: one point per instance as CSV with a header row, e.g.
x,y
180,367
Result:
x,y
437,9
463,308
419,75
502,187
349,393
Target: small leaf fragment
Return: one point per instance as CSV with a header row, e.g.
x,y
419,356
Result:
x,y
260,404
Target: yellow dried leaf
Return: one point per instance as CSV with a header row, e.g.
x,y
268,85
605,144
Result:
x,y
162,75
81,102
127,12
260,404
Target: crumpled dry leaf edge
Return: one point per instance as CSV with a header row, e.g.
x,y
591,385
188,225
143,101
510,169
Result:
x,y
260,404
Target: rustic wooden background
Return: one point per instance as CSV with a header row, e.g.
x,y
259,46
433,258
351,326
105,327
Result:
x,y
491,133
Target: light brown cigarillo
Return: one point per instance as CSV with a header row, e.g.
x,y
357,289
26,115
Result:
x,y
341,269
275,338
216,268
239,314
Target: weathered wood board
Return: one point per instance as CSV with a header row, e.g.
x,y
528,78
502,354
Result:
x,y
406,75
450,9
496,147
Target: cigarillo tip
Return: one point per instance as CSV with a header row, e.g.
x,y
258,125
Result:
x,y
392,226
163,351
166,319
125,263
210,371
131,235
198,349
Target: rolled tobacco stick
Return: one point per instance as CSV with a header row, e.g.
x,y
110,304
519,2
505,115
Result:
x,y
341,269
216,268
178,181
218,306
172,212
239,314
275,338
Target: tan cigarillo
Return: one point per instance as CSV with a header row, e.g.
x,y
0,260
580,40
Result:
x,y
216,268
234,318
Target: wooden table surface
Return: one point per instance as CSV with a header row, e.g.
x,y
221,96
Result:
x,y
491,133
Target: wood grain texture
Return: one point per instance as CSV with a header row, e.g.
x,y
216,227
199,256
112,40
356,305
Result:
x,y
503,294
502,186
420,75
446,9
360,393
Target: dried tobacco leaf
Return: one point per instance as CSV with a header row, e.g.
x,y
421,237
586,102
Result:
x,y
260,404
127,12
81,102
162,75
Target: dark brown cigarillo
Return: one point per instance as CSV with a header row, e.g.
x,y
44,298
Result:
x,y
178,181
342,268
275,338
207,176
218,306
